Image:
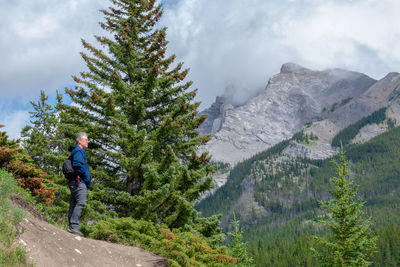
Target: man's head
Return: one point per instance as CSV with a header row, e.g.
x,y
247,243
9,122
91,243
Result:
x,y
82,140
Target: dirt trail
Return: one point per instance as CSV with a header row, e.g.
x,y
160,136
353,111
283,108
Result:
x,y
49,246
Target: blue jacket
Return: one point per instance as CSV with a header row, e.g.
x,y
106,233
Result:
x,y
80,164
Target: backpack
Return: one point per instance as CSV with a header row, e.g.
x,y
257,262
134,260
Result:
x,y
68,170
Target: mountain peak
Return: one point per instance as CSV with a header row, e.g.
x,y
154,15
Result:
x,y
293,68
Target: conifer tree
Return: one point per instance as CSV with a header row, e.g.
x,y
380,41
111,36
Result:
x,y
141,119
42,140
238,248
350,241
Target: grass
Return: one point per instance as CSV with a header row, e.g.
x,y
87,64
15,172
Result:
x,y
11,254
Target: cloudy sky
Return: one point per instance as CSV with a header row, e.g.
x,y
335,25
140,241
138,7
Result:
x,y
238,43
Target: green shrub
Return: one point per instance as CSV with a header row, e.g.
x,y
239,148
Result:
x,y
16,160
181,248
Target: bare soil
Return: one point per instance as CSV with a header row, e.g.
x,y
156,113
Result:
x,y
49,246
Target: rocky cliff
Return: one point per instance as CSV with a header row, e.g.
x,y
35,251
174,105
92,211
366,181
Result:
x,y
294,97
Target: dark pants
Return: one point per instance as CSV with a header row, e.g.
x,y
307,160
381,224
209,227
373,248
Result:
x,y
76,202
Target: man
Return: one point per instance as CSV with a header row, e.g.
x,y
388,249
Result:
x,y
80,183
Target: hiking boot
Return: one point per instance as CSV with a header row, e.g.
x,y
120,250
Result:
x,y
74,231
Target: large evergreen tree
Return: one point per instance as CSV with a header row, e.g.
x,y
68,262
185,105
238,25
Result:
x,y
350,241
141,119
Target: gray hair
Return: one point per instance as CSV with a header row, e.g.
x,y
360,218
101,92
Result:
x,y
80,135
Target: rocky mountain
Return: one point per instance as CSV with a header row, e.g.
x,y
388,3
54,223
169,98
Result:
x,y
280,146
297,99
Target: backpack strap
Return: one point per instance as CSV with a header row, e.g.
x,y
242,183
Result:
x,y
71,155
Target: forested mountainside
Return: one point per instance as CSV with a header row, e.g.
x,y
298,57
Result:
x,y
276,197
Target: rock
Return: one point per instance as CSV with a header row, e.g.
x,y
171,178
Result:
x,y
293,68
291,99
369,131
381,94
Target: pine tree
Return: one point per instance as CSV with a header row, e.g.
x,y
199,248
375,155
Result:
x,y
42,140
238,248
141,119
350,241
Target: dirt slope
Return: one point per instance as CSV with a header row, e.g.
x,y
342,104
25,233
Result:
x,y
49,246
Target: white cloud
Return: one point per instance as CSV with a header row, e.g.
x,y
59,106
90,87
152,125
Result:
x,y
245,42
223,42
355,35
40,44
14,122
